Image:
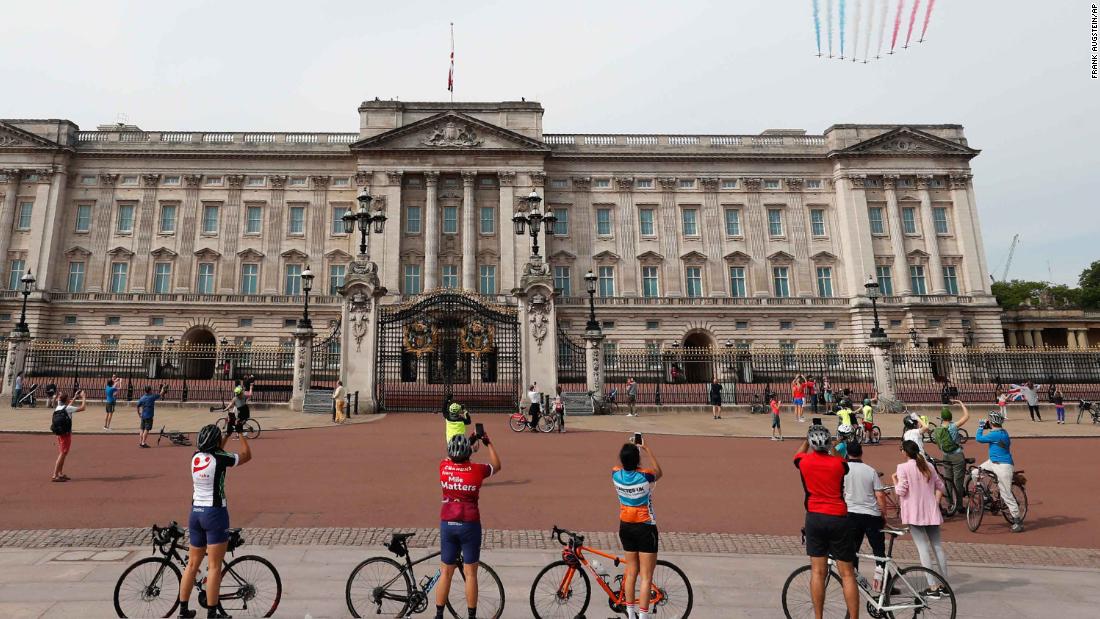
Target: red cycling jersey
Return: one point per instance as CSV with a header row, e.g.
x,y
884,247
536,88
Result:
x,y
823,480
461,484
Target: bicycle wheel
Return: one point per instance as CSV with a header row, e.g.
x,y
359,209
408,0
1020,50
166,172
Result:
x,y
517,422
673,589
975,503
1020,495
251,429
223,424
148,588
876,435
947,500
378,586
797,602
490,594
963,436
250,587
548,423
913,584
554,598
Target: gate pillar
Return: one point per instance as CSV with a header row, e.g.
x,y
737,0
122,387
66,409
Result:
x,y
593,364
359,335
303,367
537,323
18,343
883,367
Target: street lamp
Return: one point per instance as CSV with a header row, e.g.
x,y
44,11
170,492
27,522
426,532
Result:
x,y
534,220
590,286
968,336
363,218
28,285
307,284
873,292
914,337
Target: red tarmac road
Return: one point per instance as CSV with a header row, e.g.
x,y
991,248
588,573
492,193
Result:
x,y
385,474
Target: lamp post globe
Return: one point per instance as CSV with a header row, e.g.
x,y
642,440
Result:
x,y
28,285
872,287
914,337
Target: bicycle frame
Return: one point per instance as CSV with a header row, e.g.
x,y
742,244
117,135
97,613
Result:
x,y
890,577
620,597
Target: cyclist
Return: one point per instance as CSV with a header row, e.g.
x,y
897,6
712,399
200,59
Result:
x,y
866,501
868,413
209,515
827,529
843,439
237,408
1000,463
456,419
637,526
844,413
954,460
460,519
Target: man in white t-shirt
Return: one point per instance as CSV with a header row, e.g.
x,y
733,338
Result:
x,y
61,424
863,493
914,431
535,398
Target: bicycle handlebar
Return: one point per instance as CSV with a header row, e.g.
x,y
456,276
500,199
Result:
x,y
575,539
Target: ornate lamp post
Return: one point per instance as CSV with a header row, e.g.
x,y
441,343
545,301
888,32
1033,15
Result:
x,y
307,284
28,285
590,286
914,337
363,219
534,219
873,293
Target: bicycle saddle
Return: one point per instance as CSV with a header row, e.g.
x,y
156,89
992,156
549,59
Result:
x,y
398,543
233,531
895,532
969,460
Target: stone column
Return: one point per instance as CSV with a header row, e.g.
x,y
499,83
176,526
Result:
x,y
303,368
18,344
507,180
537,323
900,273
431,232
230,236
593,363
274,233
185,280
931,240
668,232
359,332
883,366
10,183
969,235
390,267
1037,337
1012,338
1028,341
42,257
144,232
321,221
713,230
626,237
469,232
857,250
1071,339
1082,338
756,233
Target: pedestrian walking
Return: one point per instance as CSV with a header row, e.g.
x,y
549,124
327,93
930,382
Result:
x,y
146,408
1031,396
110,397
919,489
631,396
716,398
340,402
1059,405
777,432
62,426
17,391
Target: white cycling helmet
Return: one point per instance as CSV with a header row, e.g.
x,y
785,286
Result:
x,y
844,429
819,438
996,418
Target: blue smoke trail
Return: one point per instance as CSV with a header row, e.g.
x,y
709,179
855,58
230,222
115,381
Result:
x,y
817,27
841,28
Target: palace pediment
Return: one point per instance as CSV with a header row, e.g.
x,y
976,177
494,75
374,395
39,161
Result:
x,y
450,131
906,141
14,137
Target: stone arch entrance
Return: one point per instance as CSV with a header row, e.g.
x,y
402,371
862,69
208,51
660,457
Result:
x,y
198,349
698,367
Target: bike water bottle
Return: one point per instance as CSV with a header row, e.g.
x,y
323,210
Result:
x,y
600,571
428,583
878,578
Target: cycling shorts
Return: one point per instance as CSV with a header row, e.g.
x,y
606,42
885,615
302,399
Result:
x,y
455,537
208,525
638,536
243,414
829,536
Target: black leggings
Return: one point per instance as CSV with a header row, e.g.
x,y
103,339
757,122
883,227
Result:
x,y
1033,410
871,527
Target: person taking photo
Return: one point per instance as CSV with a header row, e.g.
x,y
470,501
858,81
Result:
x,y
637,526
946,437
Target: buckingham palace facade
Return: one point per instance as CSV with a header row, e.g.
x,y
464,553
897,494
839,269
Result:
x,y
762,240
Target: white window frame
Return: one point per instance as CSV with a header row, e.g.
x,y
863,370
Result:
x,y
736,276
734,230
249,209
605,281
652,274
652,212
817,218
167,207
200,287
157,278
87,221
693,281
777,223
291,220
131,209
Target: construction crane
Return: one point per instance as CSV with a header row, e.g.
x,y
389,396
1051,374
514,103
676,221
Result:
x,y
1011,253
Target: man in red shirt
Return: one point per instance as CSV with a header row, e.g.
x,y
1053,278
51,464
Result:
x,y
828,532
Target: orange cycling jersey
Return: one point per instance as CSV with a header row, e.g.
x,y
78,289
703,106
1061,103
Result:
x,y
635,490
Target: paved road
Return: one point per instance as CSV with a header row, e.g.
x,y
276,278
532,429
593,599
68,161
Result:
x,y
384,475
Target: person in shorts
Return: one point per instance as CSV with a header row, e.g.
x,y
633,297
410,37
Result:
x,y
146,408
798,387
716,398
631,396
827,529
65,434
637,525
110,397
777,432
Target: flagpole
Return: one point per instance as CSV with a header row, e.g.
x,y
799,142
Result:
x,y
450,81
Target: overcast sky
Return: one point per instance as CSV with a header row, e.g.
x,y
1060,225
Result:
x,y
1014,73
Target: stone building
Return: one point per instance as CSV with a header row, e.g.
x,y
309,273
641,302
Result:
x,y
759,240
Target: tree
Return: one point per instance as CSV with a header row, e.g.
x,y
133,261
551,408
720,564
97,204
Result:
x,y
1090,286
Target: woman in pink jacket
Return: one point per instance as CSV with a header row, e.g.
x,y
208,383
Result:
x,y
919,489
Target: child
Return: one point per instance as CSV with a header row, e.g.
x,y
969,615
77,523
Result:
x,y
1059,405
1002,403
777,432
559,409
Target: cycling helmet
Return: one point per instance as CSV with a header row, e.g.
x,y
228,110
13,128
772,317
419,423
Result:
x,y
844,429
909,422
238,390
455,408
996,418
209,439
459,448
866,401
818,437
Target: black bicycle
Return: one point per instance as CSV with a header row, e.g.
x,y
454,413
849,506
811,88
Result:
x,y
250,586
178,438
381,586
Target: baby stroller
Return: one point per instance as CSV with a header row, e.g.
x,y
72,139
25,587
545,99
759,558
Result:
x,y
30,396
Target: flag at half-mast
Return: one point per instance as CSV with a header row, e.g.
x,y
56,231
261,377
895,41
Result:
x,y
451,72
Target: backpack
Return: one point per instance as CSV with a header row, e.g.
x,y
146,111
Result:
x,y
943,438
61,423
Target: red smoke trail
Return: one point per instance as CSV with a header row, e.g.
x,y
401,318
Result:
x,y
897,26
927,16
912,20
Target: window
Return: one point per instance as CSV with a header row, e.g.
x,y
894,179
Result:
x,y
412,220
162,278
895,322
76,277
171,180
341,181
255,181
645,222
254,220
649,282
290,322
210,219
87,180
874,215
824,281
694,278
119,273
167,218
905,183
487,276
113,321
293,280
936,183
885,281
687,183
209,180
934,323
25,210
652,325
204,284
156,321
813,183
916,279
733,222
450,276
737,282
244,322
771,184
83,218
786,325
489,219
644,183
603,221
296,222
561,226
412,279
70,320
338,219
741,325
336,274
729,183
412,181
298,181
871,183
939,219
817,222
15,274
781,281
950,279
562,281
775,222
125,223
606,281
601,183
450,220
557,183
909,220
829,325
689,219
250,278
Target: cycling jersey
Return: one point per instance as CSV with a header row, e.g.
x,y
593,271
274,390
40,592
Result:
x,y
635,490
208,477
823,481
461,482
845,416
455,422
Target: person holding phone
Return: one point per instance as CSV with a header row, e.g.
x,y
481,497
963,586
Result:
x,y
146,408
61,425
637,525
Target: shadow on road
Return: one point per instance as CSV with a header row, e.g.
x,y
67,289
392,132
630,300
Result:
x,y
117,478
508,482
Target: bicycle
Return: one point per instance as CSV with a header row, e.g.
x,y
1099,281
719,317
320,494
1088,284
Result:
x,y
558,592
984,495
250,428
1093,410
914,591
382,586
519,422
178,438
250,586
949,503
550,421
865,437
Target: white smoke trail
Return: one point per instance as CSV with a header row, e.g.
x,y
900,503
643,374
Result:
x,y
870,27
856,19
882,27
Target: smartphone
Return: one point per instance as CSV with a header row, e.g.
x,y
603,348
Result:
x,y
479,430
637,438
816,421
